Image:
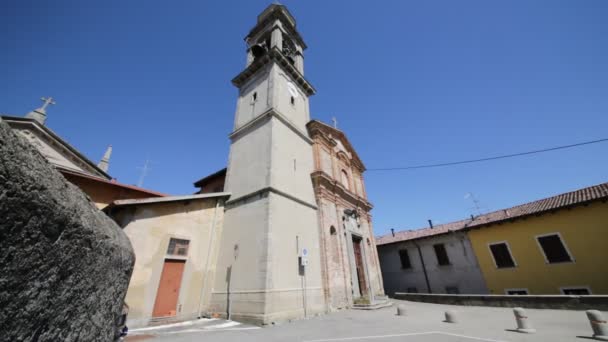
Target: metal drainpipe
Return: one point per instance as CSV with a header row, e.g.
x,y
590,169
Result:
x,y
426,277
200,300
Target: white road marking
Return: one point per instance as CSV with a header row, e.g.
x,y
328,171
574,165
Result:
x,y
174,325
228,324
209,330
402,335
371,337
470,337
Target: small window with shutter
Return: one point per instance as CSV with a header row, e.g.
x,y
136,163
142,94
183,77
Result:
x,y
553,248
178,247
442,254
502,255
405,259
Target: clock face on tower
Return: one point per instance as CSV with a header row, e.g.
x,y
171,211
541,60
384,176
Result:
x,y
292,89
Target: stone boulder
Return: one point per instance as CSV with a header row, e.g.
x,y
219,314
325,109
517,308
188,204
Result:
x,y
64,265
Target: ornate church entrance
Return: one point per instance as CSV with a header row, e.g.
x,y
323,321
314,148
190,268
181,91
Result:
x,y
359,265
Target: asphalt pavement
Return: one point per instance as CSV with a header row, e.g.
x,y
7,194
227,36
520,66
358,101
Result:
x,y
423,322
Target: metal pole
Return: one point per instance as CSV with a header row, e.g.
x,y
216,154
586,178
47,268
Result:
x,y
209,246
426,277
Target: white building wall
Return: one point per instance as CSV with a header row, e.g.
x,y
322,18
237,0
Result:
x,y
463,271
292,162
242,260
249,162
149,228
283,90
272,203
247,108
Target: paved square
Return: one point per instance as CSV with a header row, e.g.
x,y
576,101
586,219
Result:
x,y
423,323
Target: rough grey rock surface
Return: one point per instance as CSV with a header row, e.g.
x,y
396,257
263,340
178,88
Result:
x,y
64,265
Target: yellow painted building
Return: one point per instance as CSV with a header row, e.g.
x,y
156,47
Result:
x,y
552,246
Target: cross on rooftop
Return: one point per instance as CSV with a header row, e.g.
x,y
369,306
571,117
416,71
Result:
x,y
47,101
335,121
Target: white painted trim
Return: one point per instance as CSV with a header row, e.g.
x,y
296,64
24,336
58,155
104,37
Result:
x,y
510,253
517,289
561,239
586,287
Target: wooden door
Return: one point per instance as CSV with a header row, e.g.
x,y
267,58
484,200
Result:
x,y
359,266
168,288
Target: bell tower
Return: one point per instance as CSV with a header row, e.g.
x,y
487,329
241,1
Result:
x,y
268,267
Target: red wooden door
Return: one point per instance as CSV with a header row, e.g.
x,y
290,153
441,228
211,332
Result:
x,y
168,288
359,266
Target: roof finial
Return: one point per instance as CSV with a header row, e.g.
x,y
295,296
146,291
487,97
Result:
x,y
39,114
335,121
47,101
104,164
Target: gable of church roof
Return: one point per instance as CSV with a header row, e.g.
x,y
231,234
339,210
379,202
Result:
x,y
53,147
316,127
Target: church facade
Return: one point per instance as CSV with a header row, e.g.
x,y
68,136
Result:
x,y
351,270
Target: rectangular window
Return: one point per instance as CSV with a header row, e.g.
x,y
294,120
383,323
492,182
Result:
x,y
442,254
178,247
517,292
412,290
553,248
576,291
405,259
502,255
452,290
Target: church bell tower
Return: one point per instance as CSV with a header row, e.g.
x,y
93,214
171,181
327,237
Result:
x,y
268,267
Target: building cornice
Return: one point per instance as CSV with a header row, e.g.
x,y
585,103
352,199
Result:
x,y
281,13
262,193
276,56
264,117
333,187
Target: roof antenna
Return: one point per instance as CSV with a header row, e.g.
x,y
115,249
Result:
x,y
476,205
144,172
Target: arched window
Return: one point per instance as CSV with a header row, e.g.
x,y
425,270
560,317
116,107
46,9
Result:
x,y
332,230
345,179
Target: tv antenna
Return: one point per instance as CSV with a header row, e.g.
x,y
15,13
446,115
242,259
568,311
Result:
x,y
144,172
476,206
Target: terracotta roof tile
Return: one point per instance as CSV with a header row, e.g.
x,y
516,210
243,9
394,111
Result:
x,y
564,200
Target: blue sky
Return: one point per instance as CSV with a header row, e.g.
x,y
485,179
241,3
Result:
x,y
411,82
